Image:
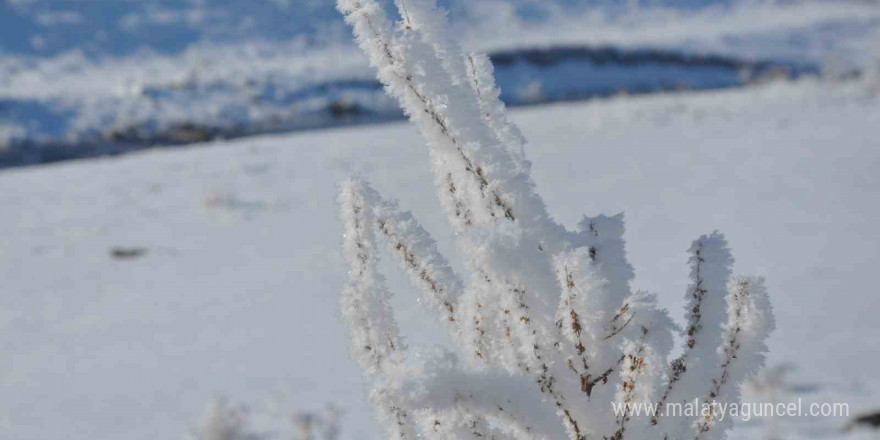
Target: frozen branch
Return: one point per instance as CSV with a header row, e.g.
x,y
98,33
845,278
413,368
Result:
x,y
546,321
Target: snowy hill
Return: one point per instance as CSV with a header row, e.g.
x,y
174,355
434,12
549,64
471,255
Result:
x,y
204,107
52,27
137,288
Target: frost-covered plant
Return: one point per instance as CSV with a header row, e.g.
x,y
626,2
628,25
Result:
x,y
549,332
311,425
224,422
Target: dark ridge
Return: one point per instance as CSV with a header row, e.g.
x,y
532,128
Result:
x,y
611,55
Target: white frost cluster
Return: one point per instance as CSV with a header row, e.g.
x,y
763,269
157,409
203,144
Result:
x,y
548,328
224,422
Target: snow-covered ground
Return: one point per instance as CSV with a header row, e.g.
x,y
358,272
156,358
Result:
x,y
236,293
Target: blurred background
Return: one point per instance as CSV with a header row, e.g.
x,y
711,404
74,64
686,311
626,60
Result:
x,y
169,243
86,78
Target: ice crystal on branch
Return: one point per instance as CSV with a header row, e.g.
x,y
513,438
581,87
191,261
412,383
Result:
x,y
547,326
